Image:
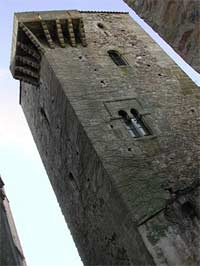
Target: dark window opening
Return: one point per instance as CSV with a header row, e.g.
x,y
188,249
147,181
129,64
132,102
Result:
x,y
188,210
44,116
100,25
117,58
135,124
139,123
71,177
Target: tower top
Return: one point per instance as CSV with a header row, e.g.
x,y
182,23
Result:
x,y
35,32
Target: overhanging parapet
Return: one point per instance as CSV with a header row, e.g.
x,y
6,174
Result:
x,y
35,32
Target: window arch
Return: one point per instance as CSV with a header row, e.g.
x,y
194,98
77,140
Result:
x,y
135,124
129,125
117,58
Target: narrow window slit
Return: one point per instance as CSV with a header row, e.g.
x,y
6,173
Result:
x,y
117,58
44,116
139,124
127,120
71,177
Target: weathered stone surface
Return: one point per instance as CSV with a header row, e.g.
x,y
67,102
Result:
x,y
177,21
113,188
10,249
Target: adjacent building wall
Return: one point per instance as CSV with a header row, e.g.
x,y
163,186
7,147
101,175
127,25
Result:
x,y
10,248
176,21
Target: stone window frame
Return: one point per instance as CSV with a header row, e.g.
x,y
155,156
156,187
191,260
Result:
x,y
113,107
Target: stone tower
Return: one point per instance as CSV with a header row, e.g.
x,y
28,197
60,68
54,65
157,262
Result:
x,y
117,126
10,248
177,21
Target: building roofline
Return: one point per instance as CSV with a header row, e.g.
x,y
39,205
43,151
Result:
x,y
71,10
109,12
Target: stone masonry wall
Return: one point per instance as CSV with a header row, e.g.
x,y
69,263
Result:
x,y
177,21
123,198
7,250
11,253
89,202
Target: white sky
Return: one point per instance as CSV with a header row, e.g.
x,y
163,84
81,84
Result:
x,y
41,227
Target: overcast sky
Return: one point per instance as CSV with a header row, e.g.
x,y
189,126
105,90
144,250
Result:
x,y
41,227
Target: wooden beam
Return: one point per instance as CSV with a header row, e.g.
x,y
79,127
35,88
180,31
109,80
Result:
x,y
27,61
32,38
60,34
31,81
28,50
82,32
27,72
47,33
71,32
